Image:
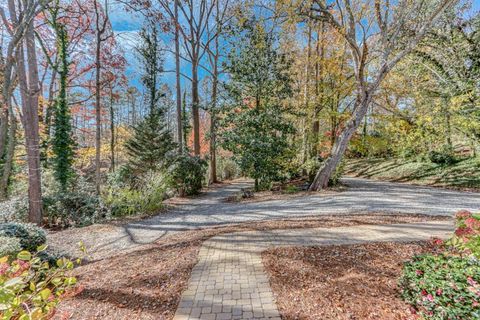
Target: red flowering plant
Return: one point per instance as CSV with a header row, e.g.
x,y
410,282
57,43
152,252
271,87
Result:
x,y
445,284
466,239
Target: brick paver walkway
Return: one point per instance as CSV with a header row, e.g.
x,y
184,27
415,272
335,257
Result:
x,y
229,281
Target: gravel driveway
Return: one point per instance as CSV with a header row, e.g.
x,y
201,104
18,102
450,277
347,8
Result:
x,y
210,209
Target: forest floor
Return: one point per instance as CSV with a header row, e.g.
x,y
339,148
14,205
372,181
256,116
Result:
x,y
147,283
139,269
344,282
463,175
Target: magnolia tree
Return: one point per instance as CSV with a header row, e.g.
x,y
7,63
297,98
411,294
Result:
x,y
379,35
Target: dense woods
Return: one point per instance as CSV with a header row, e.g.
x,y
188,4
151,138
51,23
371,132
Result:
x,y
101,116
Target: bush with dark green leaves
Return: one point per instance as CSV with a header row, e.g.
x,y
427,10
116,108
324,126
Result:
x,y
29,235
443,157
442,286
188,173
73,209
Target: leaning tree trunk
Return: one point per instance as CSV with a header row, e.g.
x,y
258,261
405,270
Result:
x,y
326,170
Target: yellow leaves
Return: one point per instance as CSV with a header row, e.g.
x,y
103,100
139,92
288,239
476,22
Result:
x,y
45,294
24,255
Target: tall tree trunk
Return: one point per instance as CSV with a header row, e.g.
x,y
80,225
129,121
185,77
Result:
x,y
448,124
213,130
341,144
177,79
320,55
29,94
306,97
4,106
7,168
134,111
112,133
185,120
3,126
98,109
195,109
333,123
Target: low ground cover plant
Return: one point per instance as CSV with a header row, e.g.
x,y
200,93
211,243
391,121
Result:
x,y
446,285
31,288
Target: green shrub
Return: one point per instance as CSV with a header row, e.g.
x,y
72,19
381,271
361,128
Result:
x,y
9,246
372,145
188,173
30,235
442,286
14,210
443,157
31,288
145,198
291,189
311,167
227,169
73,209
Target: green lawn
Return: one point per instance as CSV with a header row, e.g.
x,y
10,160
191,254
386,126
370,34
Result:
x,y
462,175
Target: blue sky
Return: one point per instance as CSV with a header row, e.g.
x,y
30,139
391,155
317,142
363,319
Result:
x,y
126,26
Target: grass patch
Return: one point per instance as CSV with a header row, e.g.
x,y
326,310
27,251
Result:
x,y
464,174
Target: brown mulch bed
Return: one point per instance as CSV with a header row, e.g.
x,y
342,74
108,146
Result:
x,y
147,283
341,282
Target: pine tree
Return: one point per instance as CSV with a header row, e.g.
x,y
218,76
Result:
x,y
151,141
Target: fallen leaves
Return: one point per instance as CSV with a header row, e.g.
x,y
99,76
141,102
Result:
x,y
147,283
344,282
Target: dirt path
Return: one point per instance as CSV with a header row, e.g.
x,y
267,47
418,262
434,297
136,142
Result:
x,y
229,281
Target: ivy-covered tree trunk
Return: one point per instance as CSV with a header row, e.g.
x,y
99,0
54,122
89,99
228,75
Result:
x,y
7,139
7,167
62,142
